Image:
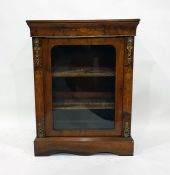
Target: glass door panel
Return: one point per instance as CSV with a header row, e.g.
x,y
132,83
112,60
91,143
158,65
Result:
x,y
83,87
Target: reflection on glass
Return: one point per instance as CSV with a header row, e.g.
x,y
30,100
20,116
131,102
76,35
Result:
x,y
83,86
83,119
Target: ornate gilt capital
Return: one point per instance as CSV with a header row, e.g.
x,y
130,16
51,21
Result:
x,y
129,50
36,48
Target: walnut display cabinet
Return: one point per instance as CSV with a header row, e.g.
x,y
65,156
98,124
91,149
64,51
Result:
x,y
83,73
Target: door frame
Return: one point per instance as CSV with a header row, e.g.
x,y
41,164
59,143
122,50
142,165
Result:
x,y
119,45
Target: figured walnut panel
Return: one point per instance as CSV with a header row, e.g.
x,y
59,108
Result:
x,y
75,28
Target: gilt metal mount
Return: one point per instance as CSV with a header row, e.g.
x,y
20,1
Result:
x,y
129,50
40,130
126,132
36,48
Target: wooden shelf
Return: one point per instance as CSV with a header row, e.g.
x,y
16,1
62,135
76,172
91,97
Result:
x,y
77,94
84,104
83,72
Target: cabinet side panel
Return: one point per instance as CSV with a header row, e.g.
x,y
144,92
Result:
x,y
119,83
127,90
39,87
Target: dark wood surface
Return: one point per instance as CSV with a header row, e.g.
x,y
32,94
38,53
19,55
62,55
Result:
x,y
83,72
83,28
84,104
83,32
119,44
84,145
78,95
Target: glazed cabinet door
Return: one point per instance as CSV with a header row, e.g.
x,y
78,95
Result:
x,y
83,84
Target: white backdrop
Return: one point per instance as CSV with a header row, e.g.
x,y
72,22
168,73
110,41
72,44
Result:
x,y
151,95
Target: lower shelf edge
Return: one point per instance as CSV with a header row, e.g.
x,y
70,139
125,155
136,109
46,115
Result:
x,y
84,145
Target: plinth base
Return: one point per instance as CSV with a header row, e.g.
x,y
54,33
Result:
x,y
83,145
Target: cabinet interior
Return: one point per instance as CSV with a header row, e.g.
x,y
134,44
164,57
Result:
x,y
83,86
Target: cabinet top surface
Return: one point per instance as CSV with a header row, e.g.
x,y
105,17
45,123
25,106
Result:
x,y
84,21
